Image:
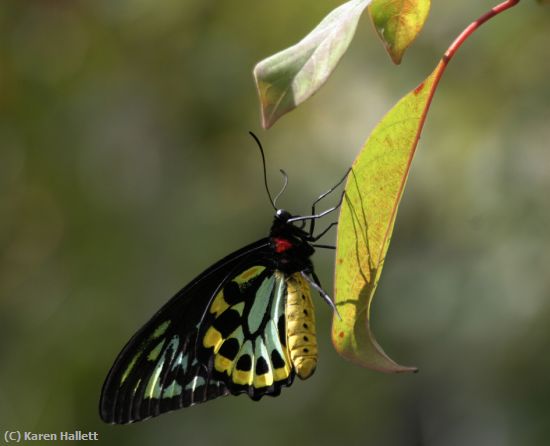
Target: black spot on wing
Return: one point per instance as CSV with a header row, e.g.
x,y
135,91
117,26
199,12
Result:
x,y
227,322
276,360
244,363
281,328
232,293
230,348
261,366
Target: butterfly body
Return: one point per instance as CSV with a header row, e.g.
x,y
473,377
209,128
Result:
x,y
300,326
245,325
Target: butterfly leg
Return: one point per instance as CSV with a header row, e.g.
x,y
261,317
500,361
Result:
x,y
323,232
316,216
312,278
315,245
323,195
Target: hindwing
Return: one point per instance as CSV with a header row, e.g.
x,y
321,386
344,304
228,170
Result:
x,y
246,333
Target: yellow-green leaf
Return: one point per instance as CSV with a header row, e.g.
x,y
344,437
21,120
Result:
x,y
398,22
372,194
291,76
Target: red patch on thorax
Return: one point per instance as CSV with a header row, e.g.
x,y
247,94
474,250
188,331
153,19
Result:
x,y
282,245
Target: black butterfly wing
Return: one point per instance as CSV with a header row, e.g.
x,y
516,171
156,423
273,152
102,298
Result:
x,y
223,333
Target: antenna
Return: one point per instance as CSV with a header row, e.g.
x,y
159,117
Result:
x,y
265,171
285,176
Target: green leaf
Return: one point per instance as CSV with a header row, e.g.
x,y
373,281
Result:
x,y
289,77
372,194
398,22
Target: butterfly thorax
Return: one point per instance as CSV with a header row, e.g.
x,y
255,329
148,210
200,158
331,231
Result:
x,y
290,244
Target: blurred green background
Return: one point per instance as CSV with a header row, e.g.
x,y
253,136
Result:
x,y
126,169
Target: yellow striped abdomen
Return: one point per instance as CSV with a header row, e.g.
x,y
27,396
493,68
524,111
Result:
x,y
300,326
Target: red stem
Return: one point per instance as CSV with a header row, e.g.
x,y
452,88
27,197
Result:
x,y
456,45
475,25
440,69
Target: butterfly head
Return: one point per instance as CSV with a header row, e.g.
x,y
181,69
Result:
x,y
284,224
282,215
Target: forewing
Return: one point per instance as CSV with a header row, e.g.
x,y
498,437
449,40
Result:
x,y
165,366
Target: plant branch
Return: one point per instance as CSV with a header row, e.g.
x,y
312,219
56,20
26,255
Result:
x,y
468,31
475,25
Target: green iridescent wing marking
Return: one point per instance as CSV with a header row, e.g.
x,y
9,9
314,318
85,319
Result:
x,y
222,334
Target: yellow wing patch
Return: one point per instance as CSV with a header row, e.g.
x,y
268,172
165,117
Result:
x,y
212,339
219,305
223,364
242,377
264,380
248,274
281,373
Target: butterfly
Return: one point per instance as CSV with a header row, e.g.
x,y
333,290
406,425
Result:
x,y
244,325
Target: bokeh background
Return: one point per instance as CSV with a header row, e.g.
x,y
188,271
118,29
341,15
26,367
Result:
x,y
126,169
